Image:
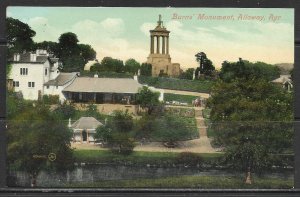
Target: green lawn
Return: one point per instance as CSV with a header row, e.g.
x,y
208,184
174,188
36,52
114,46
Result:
x,y
137,157
180,98
178,84
202,182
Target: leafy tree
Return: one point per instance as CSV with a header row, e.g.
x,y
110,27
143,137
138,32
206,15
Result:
x,y
205,65
19,36
248,70
64,111
252,120
73,55
188,74
110,64
117,132
87,52
170,129
132,66
32,141
51,47
147,99
146,69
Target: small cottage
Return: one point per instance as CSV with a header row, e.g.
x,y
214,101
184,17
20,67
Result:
x,y
84,130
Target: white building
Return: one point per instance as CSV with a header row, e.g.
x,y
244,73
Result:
x,y
36,74
84,130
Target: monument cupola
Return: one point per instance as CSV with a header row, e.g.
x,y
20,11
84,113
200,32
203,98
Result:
x,y
159,56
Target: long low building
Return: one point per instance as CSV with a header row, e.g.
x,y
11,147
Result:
x,y
102,90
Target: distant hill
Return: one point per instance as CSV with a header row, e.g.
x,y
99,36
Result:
x,y
285,68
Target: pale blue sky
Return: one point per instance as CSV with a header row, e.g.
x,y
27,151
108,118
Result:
x,y
124,32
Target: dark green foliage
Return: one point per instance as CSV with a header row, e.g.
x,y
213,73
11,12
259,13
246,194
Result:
x,y
248,70
117,133
19,36
146,69
188,74
178,84
170,129
34,131
64,111
206,66
110,64
147,99
252,119
132,66
73,55
190,159
105,74
50,99
51,47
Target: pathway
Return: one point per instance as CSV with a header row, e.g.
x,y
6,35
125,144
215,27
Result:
x,y
200,145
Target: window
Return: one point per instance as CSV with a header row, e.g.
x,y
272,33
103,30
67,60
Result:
x,y
23,71
56,87
31,84
16,83
47,87
46,71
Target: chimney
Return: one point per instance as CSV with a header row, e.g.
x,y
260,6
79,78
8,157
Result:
x,y
135,77
69,125
32,57
16,57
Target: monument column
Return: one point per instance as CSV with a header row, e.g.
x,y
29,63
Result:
x,y
152,45
167,44
163,44
158,45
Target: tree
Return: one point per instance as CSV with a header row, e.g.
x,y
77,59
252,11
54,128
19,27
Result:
x,y
205,65
188,74
170,129
87,52
117,132
146,69
132,66
252,119
73,55
19,36
147,99
51,47
113,65
39,143
248,70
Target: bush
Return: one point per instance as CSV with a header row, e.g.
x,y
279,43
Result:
x,y
50,99
189,159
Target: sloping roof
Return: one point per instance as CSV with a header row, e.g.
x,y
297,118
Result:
x,y
283,79
62,79
86,123
25,58
107,85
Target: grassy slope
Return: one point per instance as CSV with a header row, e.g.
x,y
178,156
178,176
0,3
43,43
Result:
x,y
203,182
137,157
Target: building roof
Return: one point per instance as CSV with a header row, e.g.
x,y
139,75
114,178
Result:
x,y
86,123
106,85
283,79
62,79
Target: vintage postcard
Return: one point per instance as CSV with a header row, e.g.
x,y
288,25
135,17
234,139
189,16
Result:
x,y
120,97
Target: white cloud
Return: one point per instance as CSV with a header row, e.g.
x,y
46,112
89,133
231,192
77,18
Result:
x,y
36,21
146,27
113,25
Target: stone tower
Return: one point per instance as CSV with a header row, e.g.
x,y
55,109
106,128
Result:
x,y
159,55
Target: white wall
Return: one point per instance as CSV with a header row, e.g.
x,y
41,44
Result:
x,y
35,74
52,90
